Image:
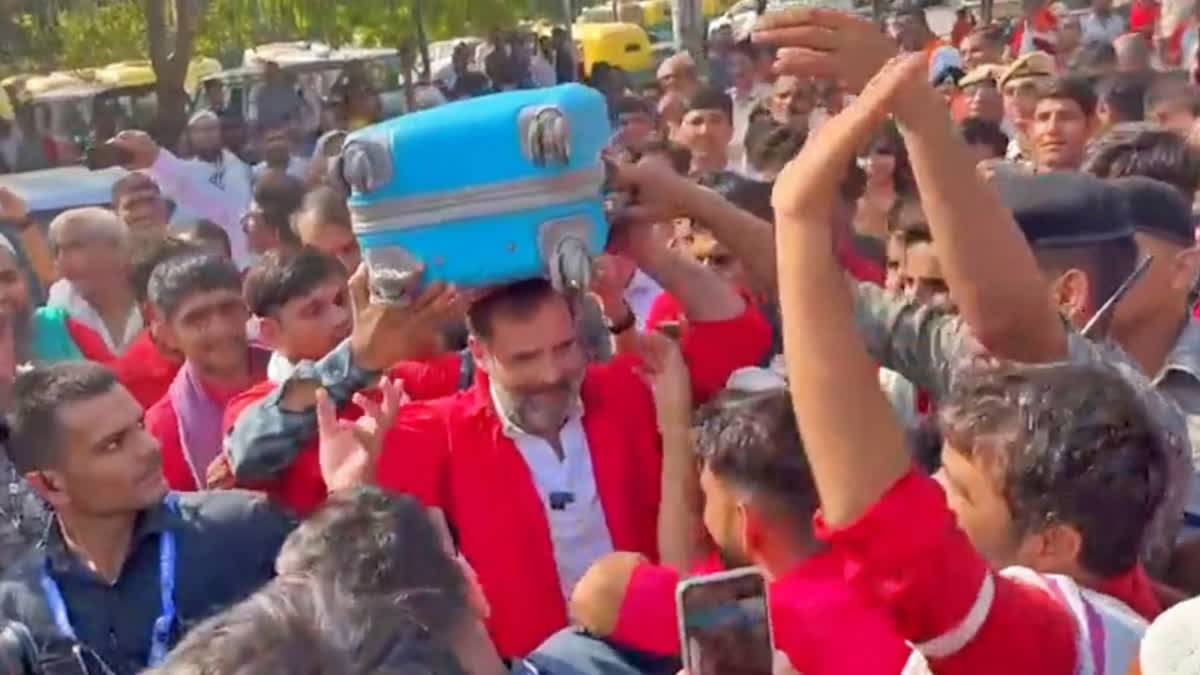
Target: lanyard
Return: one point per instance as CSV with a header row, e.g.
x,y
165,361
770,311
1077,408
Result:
x,y
161,632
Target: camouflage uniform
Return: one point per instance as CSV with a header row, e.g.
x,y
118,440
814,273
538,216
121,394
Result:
x,y
929,346
23,515
1179,379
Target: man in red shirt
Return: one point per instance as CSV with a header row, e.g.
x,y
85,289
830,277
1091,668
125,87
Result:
x,y
570,450
199,300
147,368
758,502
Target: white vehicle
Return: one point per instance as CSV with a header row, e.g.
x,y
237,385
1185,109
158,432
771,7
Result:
x,y
742,15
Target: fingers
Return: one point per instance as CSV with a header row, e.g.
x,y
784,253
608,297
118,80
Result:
x,y
359,287
369,408
805,62
820,38
326,415
792,17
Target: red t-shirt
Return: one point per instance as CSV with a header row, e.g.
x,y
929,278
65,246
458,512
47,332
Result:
x,y
817,619
145,371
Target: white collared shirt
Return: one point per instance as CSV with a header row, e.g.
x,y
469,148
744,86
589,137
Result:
x,y
63,294
640,295
579,531
743,105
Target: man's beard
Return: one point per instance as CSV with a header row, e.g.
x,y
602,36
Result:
x,y
527,412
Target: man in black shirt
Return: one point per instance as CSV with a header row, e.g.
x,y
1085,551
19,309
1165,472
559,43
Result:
x,y
127,567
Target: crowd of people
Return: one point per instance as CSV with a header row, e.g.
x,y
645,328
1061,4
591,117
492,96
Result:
x,y
904,323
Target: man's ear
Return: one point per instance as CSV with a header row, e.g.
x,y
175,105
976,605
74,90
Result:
x,y
1057,549
269,331
49,486
478,353
1072,295
1185,269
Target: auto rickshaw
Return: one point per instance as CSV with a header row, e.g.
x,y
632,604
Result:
x,y
621,45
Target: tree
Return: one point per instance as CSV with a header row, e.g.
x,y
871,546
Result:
x,y
170,50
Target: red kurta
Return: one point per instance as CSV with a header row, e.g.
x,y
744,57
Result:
x,y
452,453
300,487
145,371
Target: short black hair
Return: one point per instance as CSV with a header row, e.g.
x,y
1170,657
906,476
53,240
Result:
x,y
744,193
373,543
1124,94
1067,444
1072,88
209,232
176,279
328,205
976,131
279,196
1145,150
679,156
770,144
520,299
751,441
631,105
1093,55
148,254
37,396
710,98
1107,265
283,275
1172,87
135,181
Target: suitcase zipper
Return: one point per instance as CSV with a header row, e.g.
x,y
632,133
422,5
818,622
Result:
x,y
476,202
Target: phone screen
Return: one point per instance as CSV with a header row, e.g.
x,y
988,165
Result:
x,y
725,626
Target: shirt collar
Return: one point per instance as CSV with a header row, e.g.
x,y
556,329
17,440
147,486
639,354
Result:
x,y
150,521
279,368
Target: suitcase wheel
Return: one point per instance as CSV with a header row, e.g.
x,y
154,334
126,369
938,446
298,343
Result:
x,y
545,136
565,249
366,165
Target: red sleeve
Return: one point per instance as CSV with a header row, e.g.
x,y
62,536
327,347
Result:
x,y
414,455
162,423
649,620
665,308
714,349
428,379
907,555
89,342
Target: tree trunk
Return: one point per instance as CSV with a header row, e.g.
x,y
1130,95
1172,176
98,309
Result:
x,y
170,56
422,40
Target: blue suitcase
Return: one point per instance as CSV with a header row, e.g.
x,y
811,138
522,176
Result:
x,y
484,191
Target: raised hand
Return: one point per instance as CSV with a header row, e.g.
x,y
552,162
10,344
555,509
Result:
x,y
825,43
387,333
667,374
348,450
141,148
805,188
12,207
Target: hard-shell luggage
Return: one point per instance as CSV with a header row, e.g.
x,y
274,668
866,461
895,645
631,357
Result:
x,y
484,191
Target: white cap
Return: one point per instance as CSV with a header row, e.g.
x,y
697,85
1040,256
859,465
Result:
x,y
1171,645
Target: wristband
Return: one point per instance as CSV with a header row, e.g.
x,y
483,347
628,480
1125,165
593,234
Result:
x,y
618,327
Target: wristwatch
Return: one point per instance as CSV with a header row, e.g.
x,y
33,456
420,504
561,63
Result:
x,y
618,327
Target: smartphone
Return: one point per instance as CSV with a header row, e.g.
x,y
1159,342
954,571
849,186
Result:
x,y
105,156
724,623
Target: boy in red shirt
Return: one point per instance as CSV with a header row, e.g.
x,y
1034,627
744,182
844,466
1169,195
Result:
x,y
757,508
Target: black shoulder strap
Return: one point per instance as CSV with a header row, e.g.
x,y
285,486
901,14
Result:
x,y
466,369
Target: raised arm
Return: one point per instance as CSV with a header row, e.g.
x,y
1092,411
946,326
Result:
x,y
890,524
991,271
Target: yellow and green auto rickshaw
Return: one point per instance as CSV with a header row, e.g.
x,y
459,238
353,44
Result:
x,y
621,45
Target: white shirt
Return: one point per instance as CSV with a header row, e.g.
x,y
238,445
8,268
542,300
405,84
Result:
x,y
63,294
578,532
640,295
230,175
1097,29
180,183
